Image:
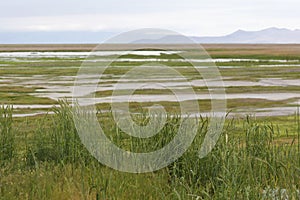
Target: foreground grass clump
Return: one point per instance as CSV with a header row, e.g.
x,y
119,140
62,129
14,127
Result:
x,y
60,142
240,168
6,134
248,162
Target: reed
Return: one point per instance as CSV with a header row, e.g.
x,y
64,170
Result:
x,y
7,135
247,163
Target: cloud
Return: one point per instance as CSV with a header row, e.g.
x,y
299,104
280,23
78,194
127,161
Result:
x,y
184,20
190,17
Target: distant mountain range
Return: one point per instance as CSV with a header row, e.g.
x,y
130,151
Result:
x,y
270,35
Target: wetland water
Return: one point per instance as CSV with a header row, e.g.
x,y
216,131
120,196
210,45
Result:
x,y
265,89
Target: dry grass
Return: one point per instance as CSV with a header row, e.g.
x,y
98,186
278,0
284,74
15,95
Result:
x,y
253,49
213,49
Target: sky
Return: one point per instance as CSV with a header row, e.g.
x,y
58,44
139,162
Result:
x,y
190,17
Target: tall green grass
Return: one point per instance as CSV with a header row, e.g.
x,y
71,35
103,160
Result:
x,y
248,162
7,137
240,167
58,141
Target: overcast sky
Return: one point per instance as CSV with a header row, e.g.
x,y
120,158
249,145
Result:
x,y
192,17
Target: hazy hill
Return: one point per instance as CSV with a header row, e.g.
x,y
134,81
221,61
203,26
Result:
x,y
270,35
